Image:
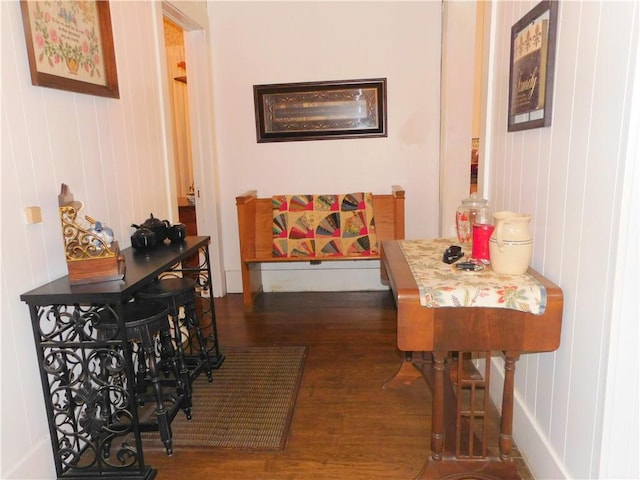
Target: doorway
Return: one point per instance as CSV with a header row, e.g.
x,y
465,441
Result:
x,y
180,124
192,19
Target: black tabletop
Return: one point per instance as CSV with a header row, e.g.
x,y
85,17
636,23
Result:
x,y
141,269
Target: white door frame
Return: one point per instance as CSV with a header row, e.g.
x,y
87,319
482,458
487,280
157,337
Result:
x,y
456,108
193,19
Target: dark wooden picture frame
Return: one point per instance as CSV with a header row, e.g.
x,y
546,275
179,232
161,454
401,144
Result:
x,y
321,110
531,68
70,48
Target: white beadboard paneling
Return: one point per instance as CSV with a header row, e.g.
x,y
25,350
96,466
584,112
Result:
x,y
558,173
599,220
89,154
108,173
568,176
18,190
110,152
542,398
570,255
577,434
119,128
566,190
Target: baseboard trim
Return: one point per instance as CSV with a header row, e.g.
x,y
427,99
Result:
x,y
539,455
36,463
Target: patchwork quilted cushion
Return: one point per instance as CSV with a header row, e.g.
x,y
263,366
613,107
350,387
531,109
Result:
x,y
324,225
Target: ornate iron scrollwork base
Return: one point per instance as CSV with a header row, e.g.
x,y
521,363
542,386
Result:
x,y
89,400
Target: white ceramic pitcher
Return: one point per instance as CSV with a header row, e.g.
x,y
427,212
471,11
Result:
x,y
511,245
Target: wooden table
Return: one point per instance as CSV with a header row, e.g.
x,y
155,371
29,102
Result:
x,y
466,329
89,379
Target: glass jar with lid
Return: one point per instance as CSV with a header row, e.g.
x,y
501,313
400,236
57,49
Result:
x,y
472,210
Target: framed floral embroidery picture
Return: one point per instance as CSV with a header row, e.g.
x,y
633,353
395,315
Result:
x,y
70,46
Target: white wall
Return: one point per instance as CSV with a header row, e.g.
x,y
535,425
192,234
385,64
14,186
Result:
x,y
280,42
110,152
570,177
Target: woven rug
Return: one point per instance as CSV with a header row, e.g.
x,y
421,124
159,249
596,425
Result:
x,y
249,404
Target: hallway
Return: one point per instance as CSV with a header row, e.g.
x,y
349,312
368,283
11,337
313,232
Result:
x,y
345,426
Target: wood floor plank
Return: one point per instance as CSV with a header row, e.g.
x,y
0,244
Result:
x,y
345,425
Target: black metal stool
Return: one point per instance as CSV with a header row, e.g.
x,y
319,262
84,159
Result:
x,y
180,292
144,321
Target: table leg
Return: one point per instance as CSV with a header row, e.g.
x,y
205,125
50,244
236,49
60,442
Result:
x,y
437,407
506,421
442,465
408,372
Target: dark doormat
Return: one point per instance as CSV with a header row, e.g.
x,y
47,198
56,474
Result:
x,y
249,404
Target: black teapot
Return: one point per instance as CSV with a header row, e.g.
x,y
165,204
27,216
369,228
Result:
x,y
143,239
157,226
177,233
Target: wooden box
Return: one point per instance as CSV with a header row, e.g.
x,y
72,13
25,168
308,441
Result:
x,y
93,270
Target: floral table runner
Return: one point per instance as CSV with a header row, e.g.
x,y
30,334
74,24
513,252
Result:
x,y
443,285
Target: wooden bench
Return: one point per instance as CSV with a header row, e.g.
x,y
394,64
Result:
x,y
255,228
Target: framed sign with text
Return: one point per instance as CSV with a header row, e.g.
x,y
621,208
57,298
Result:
x,y
70,46
533,40
321,110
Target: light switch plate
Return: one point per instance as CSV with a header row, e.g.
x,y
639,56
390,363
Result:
x,y
34,214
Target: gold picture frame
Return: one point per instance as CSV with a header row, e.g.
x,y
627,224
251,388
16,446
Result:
x,y
321,110
70,46
531,68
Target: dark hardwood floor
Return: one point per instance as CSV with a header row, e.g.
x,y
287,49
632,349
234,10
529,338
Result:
x,y
345,425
